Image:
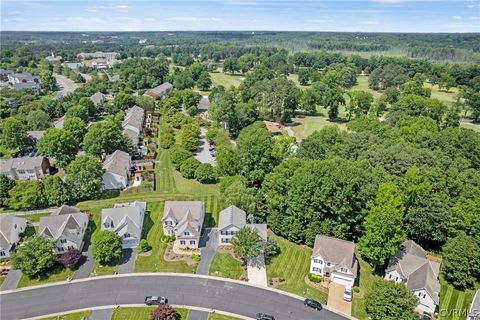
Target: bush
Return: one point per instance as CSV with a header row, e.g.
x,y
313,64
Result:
x,y
356,289
166,238
70,258
163,312
205,173
189,136
178,155
196,257
314,278
189,167
144,246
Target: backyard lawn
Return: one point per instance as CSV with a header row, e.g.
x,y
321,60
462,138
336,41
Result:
x,y
309,124
366,278
292,265
226,266
71,316
142,313
452,299
58,273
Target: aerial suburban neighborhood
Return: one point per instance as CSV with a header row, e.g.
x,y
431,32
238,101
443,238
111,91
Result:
x,y
329,171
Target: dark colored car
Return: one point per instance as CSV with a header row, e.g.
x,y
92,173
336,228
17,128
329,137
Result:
x,y
263,316
312,304
425,317
155,300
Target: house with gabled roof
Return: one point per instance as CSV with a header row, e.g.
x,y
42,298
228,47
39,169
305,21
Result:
x,y
159,91
97,98
11,228
335,259
132,124
116,170
126,220
410,266
184,220
231,220
66,227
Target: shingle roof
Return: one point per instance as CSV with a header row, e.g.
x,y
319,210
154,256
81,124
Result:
x,y
203,104
340,252
161,89
37,134
71,225
126,218
186,214
118,163
97,98
6,222
64,209
23,163
261,230
232,216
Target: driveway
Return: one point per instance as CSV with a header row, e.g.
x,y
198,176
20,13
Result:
x,y
127,261
65,85
197,315
208,246
335,299
101,314
86,263
257,272
11,280
189,290
203,154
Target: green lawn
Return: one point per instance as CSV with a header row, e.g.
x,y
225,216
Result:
x,y
33,218
2,279
142,313
455,300
293,264
294,78
468,124
216,316
226,80
365,280
152,227
71,316
362,84
58,273
226,266
309,124
447,97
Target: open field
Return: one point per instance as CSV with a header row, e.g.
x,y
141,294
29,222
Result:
x,y
292,265
226,80
226,266
307,125
142,313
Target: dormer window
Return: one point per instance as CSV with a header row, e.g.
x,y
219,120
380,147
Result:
x,y
328,264
344,270
126,235
186,233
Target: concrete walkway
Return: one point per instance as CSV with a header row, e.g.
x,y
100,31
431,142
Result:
x,y
197,315
127,261
11,281
101,314
257,272
208,246
86,263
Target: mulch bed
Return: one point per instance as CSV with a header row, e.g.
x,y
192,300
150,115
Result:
x,y
172,256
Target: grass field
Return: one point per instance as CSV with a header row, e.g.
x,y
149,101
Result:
x,y
362,84
226,266
58,273
454,304
33,218
293,264
309,124
152,228
226,80
71,316
216,316
365,281
142,313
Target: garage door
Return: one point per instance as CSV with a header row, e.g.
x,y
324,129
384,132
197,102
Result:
x,y
342,280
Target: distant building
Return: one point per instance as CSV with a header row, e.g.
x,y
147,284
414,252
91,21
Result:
x,y
53,58
109,56
25,168
10,229
132,124
184,220
159,91
98,98
126,220
18,81
273,127
117,168
73,65
66,227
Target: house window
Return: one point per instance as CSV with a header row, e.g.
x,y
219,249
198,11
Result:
x,y
424,296
344,270
187,233
328,264
126,235
317,269
60,249
168,223
63,241
192,241
318,261
389,276
182,242
2,254
419,294
14,226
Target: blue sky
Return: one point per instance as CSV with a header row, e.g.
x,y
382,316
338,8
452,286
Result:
x,y
301,15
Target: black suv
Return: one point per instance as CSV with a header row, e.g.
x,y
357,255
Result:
x,y
263,316
312,304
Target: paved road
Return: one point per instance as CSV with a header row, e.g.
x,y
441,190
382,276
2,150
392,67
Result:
x,y
208,247
224,295
65,85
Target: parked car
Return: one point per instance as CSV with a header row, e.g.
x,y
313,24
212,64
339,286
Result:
x,y
312,304
425,317
347,294
155,300
264,316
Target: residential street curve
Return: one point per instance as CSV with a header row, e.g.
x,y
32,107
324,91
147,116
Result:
x,y
194,291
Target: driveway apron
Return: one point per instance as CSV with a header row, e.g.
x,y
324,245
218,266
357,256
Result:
x,y
208,247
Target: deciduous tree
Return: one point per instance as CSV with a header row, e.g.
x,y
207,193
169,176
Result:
x,y
107,247
34,256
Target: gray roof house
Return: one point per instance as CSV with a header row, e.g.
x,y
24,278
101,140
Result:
x,y
126,220
25,168
334,258
474,311
65,227
184,220
10,229
132,124
97,98
411,266
231,220
159,91
116,170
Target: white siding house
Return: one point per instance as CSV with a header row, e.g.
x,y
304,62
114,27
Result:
x,y
10,229
117,170
184,220
231,220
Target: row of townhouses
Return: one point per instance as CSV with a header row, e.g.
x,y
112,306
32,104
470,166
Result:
x,y
19,81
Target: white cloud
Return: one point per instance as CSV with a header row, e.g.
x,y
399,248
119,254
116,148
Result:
x,y
475,18
193,19
120,8
390,1
457,17
95,8
15,20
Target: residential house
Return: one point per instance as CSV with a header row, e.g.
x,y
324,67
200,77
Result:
x,y
474,311
35,136
53,58
66,227
133,124
25,168
273,127
117,168
411,267
11,228
159,91
126,220
231,220
98,98
20,81
184,220
335,259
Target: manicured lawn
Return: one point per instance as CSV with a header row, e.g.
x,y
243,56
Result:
x,y
58,273
33,218
365,280
309,124
224,265
106,270
468,124
362,84
454,304
226,80
71,316
216,316
294,78
2,279
155,263
292,265
447,97
142,313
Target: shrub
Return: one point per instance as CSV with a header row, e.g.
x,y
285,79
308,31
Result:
x,y
163,312
167,136
356,289
196,257
314,278
189,167
70,258
178,155
166,238
205,173
144,246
